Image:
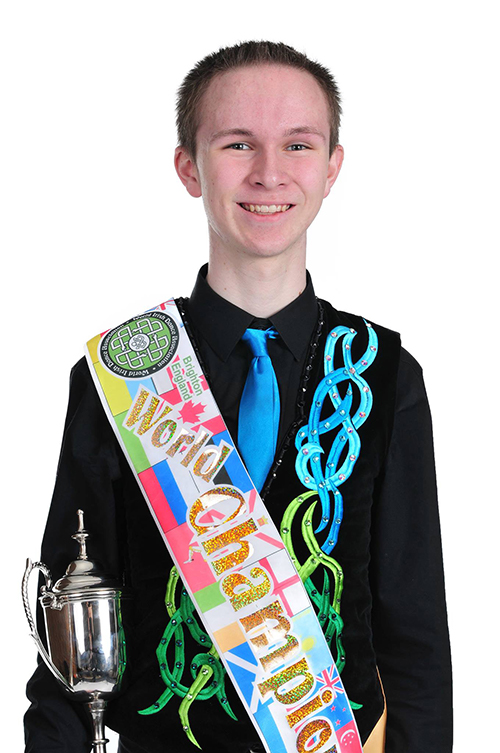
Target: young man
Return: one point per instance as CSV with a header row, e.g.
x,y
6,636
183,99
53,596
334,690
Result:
x,y
346,472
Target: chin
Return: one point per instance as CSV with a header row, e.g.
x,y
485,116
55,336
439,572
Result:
x,y
267,253
277,247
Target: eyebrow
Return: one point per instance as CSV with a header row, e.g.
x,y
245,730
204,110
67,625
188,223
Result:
x,y
305,129
230,132
297,131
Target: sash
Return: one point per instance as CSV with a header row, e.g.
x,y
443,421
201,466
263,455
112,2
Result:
x,y
229,553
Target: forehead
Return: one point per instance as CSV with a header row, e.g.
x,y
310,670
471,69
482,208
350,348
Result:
x,y
264,99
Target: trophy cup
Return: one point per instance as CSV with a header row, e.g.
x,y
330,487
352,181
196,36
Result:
x,y
83,622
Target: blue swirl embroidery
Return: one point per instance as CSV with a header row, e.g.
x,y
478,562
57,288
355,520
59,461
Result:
x,y
312,470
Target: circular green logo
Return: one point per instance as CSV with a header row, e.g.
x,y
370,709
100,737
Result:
x,y
140,347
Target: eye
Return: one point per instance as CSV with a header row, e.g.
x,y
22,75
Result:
x,y
297,147
238,146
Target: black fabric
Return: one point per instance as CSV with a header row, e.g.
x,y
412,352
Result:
x,y
389,547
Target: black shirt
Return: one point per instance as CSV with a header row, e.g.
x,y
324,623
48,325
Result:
x,y
219,327
402,610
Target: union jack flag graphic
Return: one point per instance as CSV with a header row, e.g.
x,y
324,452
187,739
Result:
x,y
329,678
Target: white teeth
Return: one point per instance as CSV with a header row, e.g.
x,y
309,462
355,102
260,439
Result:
x,y
266,209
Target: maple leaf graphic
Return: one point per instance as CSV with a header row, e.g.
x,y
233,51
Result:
x,y
190,413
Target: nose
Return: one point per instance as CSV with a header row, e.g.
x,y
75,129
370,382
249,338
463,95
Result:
x,y
268,170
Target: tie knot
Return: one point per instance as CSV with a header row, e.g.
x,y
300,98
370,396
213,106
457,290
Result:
x,y
257,340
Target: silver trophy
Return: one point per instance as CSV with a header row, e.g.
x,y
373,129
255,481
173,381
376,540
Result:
x,y
84,626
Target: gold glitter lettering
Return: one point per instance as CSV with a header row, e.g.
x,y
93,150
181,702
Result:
x,y
312,728
268,635
233,583
296,693
280,655
135,413
201,438
184,437
136,408
217,456
211,498
308,708
167,427
233,536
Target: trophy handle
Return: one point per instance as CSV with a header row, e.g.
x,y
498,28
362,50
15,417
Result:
x,y
30,566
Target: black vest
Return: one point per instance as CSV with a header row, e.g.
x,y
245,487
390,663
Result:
x,y
147,564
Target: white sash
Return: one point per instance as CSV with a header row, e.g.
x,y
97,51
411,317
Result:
x,y
222,540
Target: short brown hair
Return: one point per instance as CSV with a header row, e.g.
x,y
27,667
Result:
x,y
198,79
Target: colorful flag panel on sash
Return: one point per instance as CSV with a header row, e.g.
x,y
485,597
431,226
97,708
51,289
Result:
x,y
220,535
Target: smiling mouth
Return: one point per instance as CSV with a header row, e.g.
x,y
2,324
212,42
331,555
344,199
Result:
x,y
266,208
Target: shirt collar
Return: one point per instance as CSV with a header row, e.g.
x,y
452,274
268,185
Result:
x,y
222,324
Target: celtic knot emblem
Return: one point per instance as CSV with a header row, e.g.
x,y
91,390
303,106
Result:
x,y
139,342
141,346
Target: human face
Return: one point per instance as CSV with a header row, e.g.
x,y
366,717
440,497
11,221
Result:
x,y
263,166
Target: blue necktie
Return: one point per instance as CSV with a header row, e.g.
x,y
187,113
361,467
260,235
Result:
x,y
259,413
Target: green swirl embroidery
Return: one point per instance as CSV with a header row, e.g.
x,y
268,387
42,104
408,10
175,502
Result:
x,y
327,602
206,669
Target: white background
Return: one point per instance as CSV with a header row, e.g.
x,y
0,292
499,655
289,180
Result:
x,y
96,227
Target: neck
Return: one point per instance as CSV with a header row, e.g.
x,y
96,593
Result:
x,y
260,286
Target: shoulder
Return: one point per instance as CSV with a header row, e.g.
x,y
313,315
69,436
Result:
x,y
83,396
80,379
409,364
388,338
408,370
411,392
80,370
355,321
394,369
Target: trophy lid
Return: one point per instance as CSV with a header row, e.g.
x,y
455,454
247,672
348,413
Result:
x,y
83,573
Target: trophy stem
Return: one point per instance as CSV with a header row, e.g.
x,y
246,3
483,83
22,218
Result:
x,y
96,708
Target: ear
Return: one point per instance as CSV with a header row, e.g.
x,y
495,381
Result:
x,y
334,165
187,171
